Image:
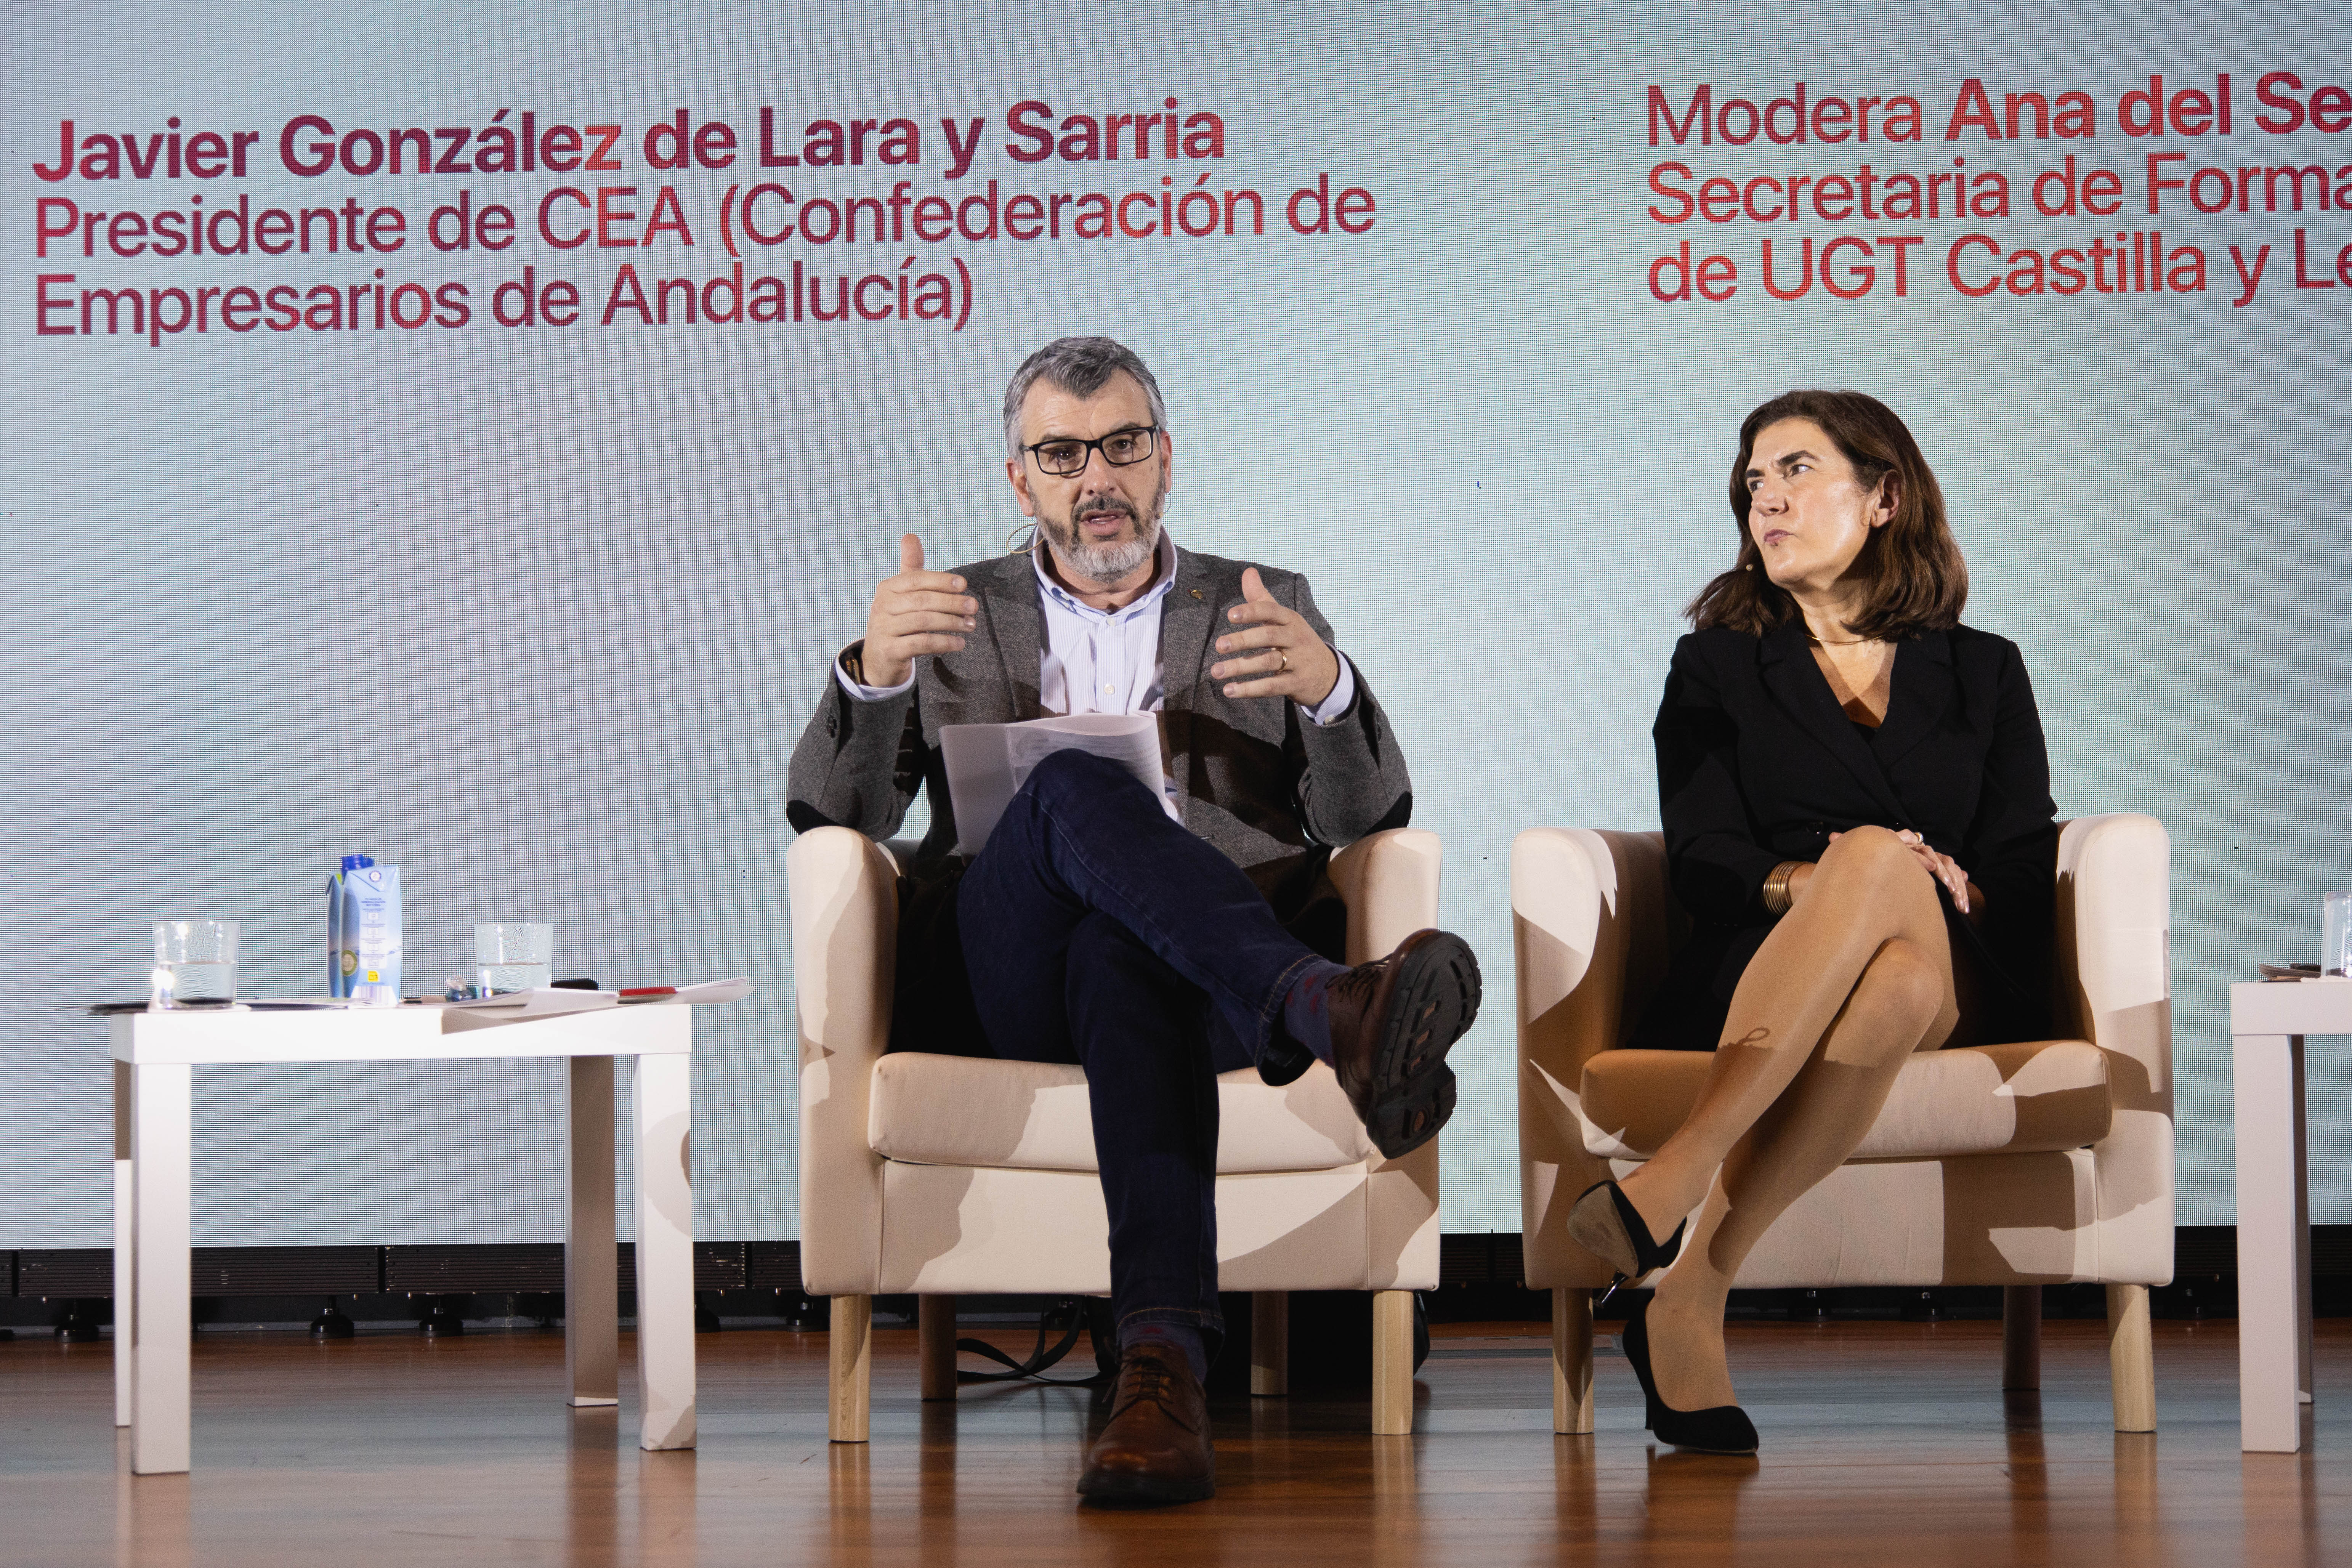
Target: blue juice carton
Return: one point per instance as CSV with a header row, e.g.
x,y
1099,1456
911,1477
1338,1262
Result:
x,y
343,960
363,932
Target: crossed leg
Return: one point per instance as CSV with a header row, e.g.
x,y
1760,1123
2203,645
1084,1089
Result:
x,y
1853,979
1097,931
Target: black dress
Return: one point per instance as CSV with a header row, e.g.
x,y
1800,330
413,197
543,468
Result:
x,y
1758,764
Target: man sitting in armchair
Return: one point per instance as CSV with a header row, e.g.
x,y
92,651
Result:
x,y
1155,939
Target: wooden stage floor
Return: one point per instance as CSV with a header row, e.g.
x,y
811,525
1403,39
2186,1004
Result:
x,y
1884,1443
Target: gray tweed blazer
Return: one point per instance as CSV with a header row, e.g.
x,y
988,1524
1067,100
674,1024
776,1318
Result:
x,y
1275,792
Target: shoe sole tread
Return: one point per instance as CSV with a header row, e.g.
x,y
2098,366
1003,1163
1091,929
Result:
x,y
1604,1234
1437,995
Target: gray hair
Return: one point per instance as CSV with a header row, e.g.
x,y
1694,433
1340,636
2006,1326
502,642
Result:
x,y
1081,367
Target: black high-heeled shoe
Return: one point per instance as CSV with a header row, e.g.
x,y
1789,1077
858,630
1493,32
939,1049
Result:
x,y
1718,1429
1615,1233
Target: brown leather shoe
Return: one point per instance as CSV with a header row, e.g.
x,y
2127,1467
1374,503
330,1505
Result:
x,y
1156,1448
1392,1023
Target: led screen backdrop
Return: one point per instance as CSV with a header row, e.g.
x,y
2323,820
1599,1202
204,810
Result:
x,y
462,435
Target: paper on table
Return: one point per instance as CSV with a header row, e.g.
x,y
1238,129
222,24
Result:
x,y
706,994
540,1002
988,764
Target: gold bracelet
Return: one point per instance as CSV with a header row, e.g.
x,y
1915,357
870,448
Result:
x,y
1776,888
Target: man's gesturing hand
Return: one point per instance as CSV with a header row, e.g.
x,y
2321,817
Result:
x,y
915,613
1282,650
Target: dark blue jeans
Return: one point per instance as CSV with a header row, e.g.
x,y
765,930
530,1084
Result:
x,y
1096,930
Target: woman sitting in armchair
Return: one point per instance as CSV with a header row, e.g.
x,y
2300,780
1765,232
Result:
x,y
1857,813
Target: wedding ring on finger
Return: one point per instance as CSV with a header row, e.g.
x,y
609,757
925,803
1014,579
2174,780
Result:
x,y
1284,654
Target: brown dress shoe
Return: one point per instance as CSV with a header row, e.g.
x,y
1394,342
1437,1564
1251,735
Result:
x,y
1392,1023
1156,1448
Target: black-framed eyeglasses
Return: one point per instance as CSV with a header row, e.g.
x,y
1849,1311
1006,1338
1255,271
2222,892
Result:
x,y
1066,455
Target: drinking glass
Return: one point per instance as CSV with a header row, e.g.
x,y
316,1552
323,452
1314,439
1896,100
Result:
x,y
195,964
513,955
2335,935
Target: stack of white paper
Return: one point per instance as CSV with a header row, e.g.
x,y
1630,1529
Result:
x,y
988,764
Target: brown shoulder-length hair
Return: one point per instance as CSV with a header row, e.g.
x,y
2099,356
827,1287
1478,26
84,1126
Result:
x,y
1915,579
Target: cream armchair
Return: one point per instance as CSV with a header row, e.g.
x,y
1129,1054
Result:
x,y
2014,1165
939,1175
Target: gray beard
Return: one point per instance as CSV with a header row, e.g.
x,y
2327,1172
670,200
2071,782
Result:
x,y
1103,564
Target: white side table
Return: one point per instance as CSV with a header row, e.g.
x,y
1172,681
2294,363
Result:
x,y
2267,1023
155,1055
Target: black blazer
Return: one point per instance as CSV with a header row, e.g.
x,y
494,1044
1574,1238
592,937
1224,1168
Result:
x,y
1758,764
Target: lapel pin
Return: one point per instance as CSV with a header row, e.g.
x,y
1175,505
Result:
x,y
1196,592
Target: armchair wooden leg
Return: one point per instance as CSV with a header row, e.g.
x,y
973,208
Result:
x,y
936,1319
1270,1343
1571,1360
1393,1362
2020,1336
2131,1358
849,1367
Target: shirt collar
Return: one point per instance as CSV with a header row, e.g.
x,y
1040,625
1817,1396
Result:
x,y
1163,578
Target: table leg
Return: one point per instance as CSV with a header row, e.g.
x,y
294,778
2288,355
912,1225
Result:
x,y
664,1107
591,1256
2267,1075
159,1110
2302,1236
124,1273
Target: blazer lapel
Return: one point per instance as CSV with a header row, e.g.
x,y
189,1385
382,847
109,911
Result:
x,y
1796,684
1013,626
1919,690
1187,616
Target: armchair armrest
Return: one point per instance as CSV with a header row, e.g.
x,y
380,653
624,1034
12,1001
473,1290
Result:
x,y
1589,921
845,910
2113,959
2114,987
1389,882
1589,918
